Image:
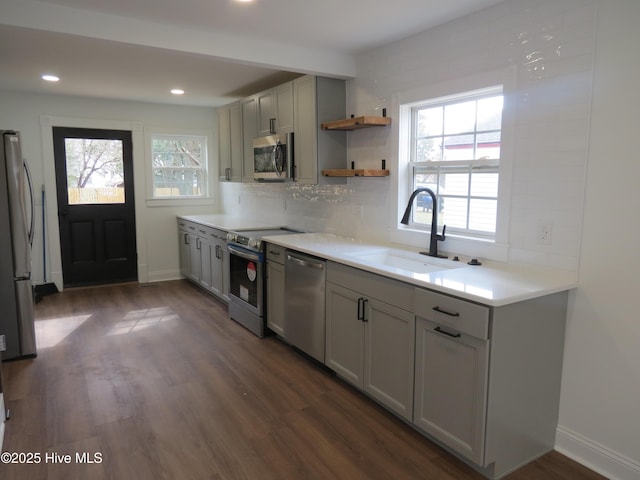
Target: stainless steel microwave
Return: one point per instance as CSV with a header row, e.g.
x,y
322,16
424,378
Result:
x,y
273,158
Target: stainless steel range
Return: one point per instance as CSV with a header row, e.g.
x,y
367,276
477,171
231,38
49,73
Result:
x,y
247,277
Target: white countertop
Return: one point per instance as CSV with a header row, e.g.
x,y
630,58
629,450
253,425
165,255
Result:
x,y
229,222
493,283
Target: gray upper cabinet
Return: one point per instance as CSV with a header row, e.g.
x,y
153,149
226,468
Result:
x,y
230,148
249,132
317,100
275,110
299,106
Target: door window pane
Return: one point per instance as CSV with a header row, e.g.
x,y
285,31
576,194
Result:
x,y
95,171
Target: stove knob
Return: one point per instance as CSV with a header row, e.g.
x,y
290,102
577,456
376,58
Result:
x,y
253,243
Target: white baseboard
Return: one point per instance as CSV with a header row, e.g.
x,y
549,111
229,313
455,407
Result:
x,y
163,275
595,456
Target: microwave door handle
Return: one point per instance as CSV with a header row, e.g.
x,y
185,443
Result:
x,y
277,153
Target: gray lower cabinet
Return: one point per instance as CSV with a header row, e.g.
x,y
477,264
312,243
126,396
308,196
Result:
x,y
370,337
204,258
275,289
487,379
216,259
451,387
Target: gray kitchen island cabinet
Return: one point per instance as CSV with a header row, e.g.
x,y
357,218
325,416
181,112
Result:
x,y
370,335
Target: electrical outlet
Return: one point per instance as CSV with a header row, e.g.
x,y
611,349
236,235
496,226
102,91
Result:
x,y
544,233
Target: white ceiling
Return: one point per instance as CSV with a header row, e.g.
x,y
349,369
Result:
x,y
216,50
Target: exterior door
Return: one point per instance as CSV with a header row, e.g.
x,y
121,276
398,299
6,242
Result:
x,y
96,213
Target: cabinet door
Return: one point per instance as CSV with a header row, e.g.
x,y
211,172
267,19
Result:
x,y
230,148
451,388
216,269
185,252
344,334
284,107
206,260
265,107
275,298
249,132
305,130
224,144
235,139
389,344
220,283
194,257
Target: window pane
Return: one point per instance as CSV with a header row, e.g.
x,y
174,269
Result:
x,y
449,140
177,152
95,171
460,117
482,215
454,213
429,150
179,165
458,147
490,113
455,184
484,185
177,183
429,122
488,145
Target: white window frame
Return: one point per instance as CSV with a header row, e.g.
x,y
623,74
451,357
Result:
x,y
442,167
495,248
207,197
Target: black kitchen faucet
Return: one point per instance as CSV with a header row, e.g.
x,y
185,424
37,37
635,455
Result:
x,y
434,237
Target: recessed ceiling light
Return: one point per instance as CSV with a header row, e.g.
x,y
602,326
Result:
x,y
244,1
177,91
50,78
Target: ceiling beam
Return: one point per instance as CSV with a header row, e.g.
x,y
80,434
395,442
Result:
x,y
221,45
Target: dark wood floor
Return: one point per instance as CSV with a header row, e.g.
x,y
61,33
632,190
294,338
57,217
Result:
x,y
161,384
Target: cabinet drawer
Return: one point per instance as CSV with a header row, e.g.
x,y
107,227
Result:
x,y
186,226
464,317
275,253
215,234
372,285
201,230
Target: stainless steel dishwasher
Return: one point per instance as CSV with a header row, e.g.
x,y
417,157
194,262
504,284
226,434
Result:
x,y
304,280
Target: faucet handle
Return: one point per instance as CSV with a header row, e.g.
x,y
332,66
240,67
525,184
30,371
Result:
x,y
442,236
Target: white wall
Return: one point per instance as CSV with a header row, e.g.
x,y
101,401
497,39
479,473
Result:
x,y
600,407
157,237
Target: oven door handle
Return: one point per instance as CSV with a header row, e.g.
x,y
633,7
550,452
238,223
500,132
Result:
x,y
242,253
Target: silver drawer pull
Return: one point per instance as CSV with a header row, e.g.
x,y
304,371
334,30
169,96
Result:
x,y
439,310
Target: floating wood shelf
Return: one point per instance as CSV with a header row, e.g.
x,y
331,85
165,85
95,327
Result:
x,y
358,172
356,123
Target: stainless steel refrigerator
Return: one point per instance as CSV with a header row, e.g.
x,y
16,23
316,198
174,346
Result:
x,y
16,235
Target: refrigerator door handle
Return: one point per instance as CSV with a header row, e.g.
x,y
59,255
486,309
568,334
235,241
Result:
x,y
33,206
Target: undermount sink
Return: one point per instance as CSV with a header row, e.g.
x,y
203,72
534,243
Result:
x,y
407,261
